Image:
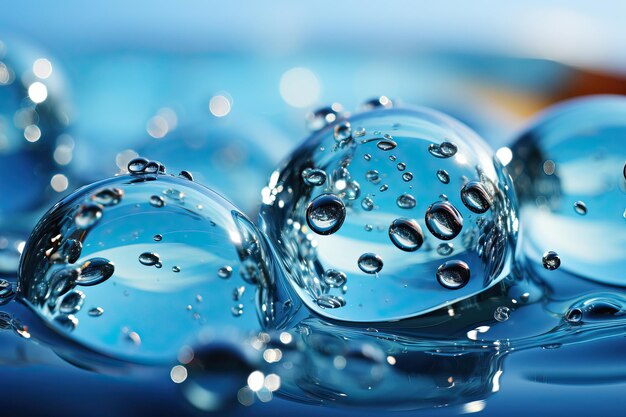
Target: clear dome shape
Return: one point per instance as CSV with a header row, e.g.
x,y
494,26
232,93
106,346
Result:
x,y
570,157
97,242
392,142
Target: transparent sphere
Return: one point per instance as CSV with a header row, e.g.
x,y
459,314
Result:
x,y
135,266
569,172
414,212
34,151
234,159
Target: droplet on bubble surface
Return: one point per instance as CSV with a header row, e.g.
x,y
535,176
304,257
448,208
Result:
x,y
149,258
386,144
157,201
325,214
225,272
111,273
186,175
453,275
342,132
444,150
314,177
443,220
323,117
137,165
370,263
108,196
406,234
445,249
367,203
574,152
573,315
406,285
502,313
406,201
551,260
330,301
443,176
475,197
88,215
377,103
372,176
334,278
407,176
94,271
580,208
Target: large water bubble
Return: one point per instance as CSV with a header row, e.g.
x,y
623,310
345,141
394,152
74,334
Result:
x,y
390,214
568,168
34,150
136,280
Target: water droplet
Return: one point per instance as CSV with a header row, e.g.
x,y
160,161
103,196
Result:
x,y
225,272
71,250
176,268
360,131
149,258
334,278
158,238
383,188
325,214
174,194
372,176
151,167
443,220
368,227
237,310
445,249
580,208
401,166
186,175
96,312
330,301
370,263
314,177
342,132
237,293
551,260
367,157
157,201
573,315
382,102
453,275
68,322
94,271
406,234
6,289
323,117
445,150
72,302
406,201
443,176
137,165
386,144
108,196
475,197
407,176
502,313
367,204
88,215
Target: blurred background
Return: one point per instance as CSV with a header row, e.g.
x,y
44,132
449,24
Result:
x,y
222,89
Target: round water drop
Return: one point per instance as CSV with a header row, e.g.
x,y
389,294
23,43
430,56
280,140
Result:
x,y
453,275
372,176
370,263
225,272
151,167
406,201
137,165
325,214
95,271
96,311
334,278
323,117
407,176
386,144
314,177
580,208
149,258
382,102
575,152
443,220
367,204
405,286
88,215
330,301
406,234
342,131
176,268
443,176
502,313
108,196
186,175
573,315
444,150
157,238
72,302
475,197
445,249
551,260
157,201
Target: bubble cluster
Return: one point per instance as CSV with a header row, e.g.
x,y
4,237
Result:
x,y
385,209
